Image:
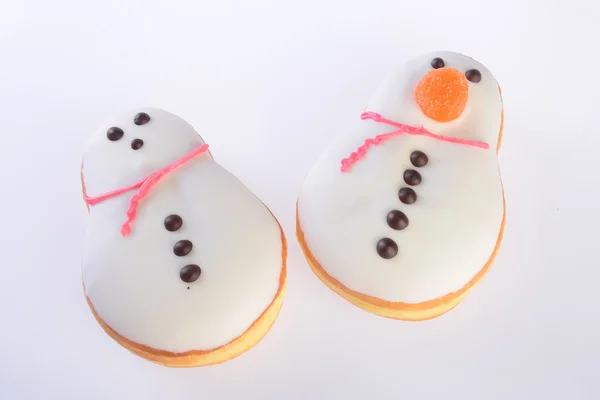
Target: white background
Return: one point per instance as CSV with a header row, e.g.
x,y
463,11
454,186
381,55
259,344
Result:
x,y
267,84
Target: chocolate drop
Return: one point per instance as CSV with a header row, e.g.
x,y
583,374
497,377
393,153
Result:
x,y
141,118
136,144
173,222
182,248
437,63
473,75
397,220
412,177
114,133
418,158
387,248
190,273
407,195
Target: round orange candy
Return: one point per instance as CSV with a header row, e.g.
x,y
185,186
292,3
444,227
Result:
x,y
442,94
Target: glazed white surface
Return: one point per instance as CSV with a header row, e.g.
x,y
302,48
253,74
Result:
x,y
454,224
267,84
133,282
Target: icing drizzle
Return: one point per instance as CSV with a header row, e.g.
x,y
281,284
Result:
x,y
402,129
144,186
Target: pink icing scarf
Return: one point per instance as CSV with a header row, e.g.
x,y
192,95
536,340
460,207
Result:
x,y
402,129
144,187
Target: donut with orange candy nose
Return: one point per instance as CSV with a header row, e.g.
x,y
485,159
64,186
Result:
x,y
404,214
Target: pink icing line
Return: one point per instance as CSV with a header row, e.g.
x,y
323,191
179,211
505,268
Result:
x,y
402,129
144,188
98,199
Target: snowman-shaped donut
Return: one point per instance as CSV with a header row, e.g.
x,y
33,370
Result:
x,y
405,214
183,265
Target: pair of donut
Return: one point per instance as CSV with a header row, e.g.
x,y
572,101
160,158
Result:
x,y
184,266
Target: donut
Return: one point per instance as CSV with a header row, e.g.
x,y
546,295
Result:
x,y
404,213
182,264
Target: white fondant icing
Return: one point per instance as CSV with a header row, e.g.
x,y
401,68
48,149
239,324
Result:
x,y
455,222
133,282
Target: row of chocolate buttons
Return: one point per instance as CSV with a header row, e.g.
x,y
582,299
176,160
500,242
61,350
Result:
x,y
387,248
191,272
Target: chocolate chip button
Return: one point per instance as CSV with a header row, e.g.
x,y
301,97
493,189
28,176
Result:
x,y
141,118
473,75
182,248
387,248
190,273
137,144
114,133
412,177
418,158
173,222
397,220
407,195
437,63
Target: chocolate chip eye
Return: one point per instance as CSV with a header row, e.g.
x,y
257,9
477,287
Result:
x,y
141,118
437,63
473,75
114,133
137,144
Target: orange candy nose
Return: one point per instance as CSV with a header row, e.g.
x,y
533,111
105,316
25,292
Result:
x,y
442,94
